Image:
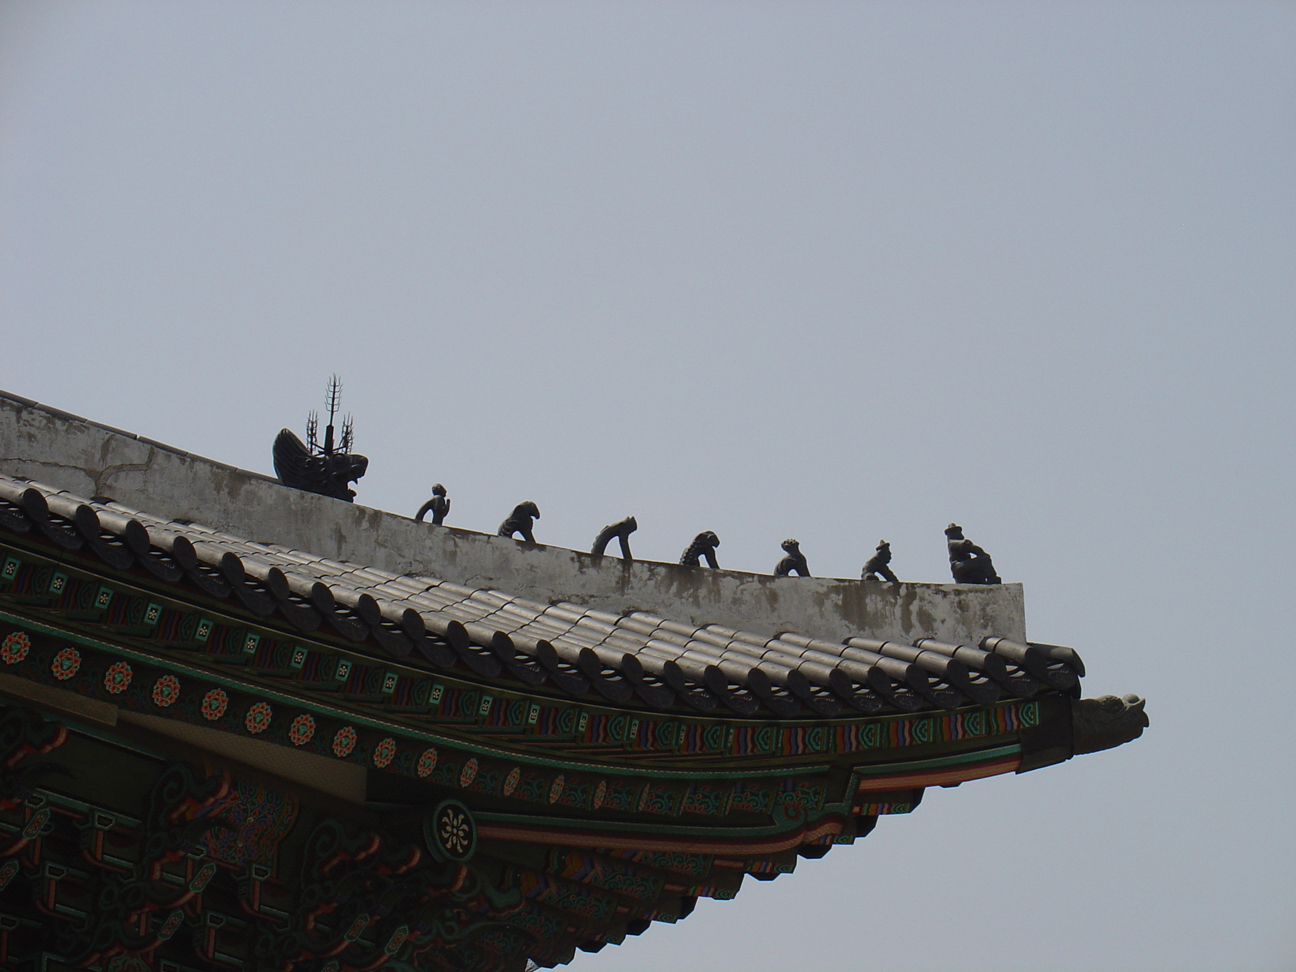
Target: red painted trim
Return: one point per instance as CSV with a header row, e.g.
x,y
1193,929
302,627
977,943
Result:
x,y
940,777
735,846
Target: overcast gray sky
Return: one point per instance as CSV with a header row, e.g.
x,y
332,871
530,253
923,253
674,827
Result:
x,y
832,271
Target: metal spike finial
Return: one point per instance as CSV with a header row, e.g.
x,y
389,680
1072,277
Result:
x,y
348,434
334,399
312,431
334,395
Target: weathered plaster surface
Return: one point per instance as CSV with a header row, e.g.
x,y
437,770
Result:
x,y
93,460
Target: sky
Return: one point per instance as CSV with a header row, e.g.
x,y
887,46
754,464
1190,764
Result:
x,y
832,271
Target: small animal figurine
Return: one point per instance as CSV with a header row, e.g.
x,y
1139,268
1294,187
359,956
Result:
x,y
968,563
438,505
703,545
794,561
519,521
876,567
621,530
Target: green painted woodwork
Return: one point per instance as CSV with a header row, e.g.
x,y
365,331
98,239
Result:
x,y
203,661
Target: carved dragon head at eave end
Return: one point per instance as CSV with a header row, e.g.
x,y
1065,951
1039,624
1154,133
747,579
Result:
x,y
1107,721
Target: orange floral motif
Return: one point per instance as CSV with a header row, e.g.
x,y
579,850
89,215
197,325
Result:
x,y
302,730
511,781
15,648
426,763
118,677
258,718
65,664
384,751
166,690
214,704
344,741
469,771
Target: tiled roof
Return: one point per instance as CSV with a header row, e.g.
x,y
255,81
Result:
x,y
636,659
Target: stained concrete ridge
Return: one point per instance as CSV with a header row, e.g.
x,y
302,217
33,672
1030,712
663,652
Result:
x,y
91,459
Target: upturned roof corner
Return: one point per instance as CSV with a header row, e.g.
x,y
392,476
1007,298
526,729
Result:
x,y
502,756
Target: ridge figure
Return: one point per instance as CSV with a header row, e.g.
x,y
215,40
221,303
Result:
x,y
794,561
519,521
876,566
968,563
703,545
621,530
438,506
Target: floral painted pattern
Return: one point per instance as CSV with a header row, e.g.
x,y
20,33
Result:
x,y
258,718
214,704
65,664
426,763
511,781
469,771
453,829
556,790
118,678
344,741
15,648
302,730
384,751
600,794
166,690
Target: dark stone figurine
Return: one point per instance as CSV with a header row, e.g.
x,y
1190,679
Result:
x,y
794,561
621,530
703,545
519,521
438,506
877,565
968,563
320,469
1107,721
327,475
